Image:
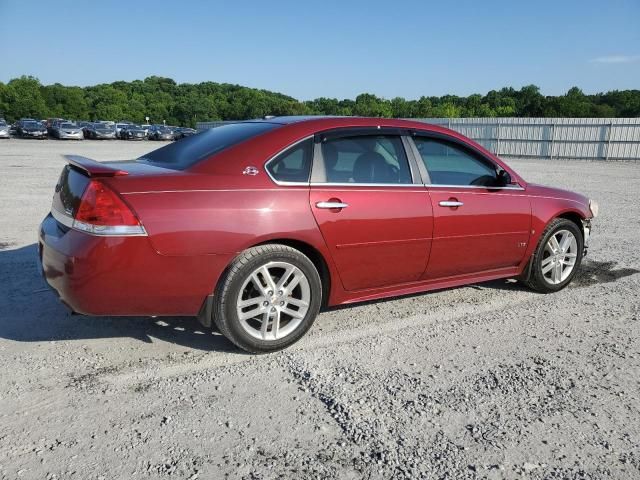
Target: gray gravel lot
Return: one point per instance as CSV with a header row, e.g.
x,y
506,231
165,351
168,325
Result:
x,y
486,381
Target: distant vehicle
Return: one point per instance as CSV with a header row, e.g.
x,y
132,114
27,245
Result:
x,y
84,125
106,122
160,132
132,132
30,128
4,129
67,131
50,122
119,126
100,131
181,132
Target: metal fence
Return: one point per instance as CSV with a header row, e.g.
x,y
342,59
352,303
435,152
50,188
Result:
x,y
548,138
552,138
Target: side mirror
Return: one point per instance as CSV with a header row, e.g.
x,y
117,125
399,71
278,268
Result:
x,y
503,178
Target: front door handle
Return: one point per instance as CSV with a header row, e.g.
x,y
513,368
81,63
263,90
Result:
x,y
331,204
451,203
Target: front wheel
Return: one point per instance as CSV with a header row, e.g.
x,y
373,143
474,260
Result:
x,y
557,256
268,298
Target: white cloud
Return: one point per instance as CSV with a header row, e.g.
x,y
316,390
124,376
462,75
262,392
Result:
x,y
616,59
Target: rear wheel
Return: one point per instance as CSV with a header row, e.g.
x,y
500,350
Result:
x,y
557,256
268,298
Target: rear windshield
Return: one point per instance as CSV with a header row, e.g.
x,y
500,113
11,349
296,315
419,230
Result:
x,y
193,149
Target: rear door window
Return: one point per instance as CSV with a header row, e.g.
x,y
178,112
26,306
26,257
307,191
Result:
x,y
366,159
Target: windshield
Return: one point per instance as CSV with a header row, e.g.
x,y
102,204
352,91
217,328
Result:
x,y
102,126
3,123
67,125
193,149
32,124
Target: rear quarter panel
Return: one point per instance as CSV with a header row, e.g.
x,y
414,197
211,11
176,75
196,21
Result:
x,y
224,220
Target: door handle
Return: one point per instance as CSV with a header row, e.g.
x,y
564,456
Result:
x,y
451,203
331,205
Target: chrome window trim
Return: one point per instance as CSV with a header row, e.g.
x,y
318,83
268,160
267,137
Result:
x,y
481,187
403,185
273,157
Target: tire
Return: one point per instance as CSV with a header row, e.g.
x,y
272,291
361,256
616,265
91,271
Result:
x,y
238,283
545,275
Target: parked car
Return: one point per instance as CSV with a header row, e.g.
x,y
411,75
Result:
x,y
100,131
160,132
30,128
182,132
67,131
119,127
132,132
254,226
50,122
4,129
146,128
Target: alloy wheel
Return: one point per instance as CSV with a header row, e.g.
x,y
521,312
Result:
x,y
559,258
273,301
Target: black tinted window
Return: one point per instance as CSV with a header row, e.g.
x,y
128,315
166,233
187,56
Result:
x,y
193,149
293,165
366,159
450,164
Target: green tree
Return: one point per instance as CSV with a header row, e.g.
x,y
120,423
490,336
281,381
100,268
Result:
x,y
25,98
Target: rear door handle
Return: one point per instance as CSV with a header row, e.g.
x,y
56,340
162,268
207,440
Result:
x,y
451,203
331,205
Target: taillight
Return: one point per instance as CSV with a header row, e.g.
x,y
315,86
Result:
x,y
103,212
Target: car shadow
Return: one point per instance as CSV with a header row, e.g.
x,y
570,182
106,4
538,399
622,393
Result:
x,y
30,312
591,272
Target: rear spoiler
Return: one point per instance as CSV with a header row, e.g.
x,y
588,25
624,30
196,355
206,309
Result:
x,y
93,168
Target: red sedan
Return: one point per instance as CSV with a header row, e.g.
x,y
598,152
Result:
x,y
255,226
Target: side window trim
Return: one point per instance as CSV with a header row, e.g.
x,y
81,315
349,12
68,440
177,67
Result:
x,y
284,150
318,171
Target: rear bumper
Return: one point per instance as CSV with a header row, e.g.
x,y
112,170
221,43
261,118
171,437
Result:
x,y
96,275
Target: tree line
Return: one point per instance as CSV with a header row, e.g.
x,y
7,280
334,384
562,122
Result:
x,y
162,99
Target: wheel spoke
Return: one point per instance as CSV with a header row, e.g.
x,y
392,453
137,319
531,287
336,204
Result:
x,y
297,277
292,313
553,242
285,277
547,268
256,281
275,326
298,303
566,241
267,278
251,301
265,324
547,261
251,313
557,272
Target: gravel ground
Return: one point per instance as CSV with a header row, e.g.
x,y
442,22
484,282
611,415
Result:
x,y
486,381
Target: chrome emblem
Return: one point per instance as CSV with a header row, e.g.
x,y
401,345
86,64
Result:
x,y
250,171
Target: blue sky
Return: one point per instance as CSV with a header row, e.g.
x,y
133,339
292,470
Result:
x,y
330,48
